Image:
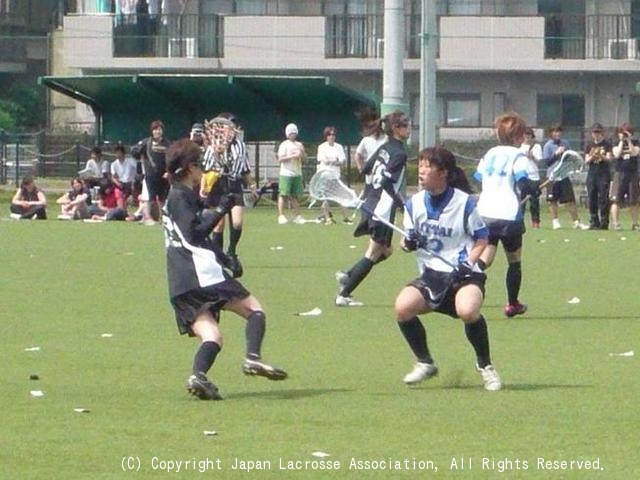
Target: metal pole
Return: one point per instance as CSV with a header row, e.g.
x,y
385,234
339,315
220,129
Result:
x,y
429,39
393,63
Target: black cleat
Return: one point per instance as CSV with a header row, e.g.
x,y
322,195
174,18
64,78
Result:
x,y
199,386
261,369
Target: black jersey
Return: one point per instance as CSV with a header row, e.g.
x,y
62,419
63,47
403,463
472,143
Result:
x,y
598,152
386,170
152,154
192,259
627,162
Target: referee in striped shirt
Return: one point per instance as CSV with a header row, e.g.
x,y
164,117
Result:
x,y
236,175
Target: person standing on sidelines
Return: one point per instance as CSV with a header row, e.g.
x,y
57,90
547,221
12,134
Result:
x,y
625,179
199,287
331,156
291,154
598,157
442,218
151,152
533,151
502,171
387,169
560,192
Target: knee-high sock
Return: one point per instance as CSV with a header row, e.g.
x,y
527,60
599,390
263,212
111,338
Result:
x,y
234,238
356,275
514,279
205,356
416,336
478,336
254,333
218,239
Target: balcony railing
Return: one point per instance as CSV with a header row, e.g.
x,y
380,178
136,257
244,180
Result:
x,y
362,36
592,36
192,36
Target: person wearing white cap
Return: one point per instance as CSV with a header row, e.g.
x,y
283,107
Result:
x,y
291,154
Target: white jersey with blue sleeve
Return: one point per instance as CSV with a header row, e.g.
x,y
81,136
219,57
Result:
x,y
499,171
449,223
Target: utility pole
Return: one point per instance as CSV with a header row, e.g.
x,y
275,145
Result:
x,y
429,39
393,62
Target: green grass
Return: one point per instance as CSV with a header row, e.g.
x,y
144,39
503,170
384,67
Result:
x,y
65,284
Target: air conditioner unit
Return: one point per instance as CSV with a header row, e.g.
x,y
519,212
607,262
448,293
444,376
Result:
x,y
622,49
182,47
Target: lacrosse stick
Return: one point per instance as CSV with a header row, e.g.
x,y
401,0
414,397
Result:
x,y
570,162
326,185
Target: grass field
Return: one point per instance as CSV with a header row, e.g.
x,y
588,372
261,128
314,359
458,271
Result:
x,y
66,284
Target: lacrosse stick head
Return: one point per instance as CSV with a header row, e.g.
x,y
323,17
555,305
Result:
x,y
219,133
570,162
326,185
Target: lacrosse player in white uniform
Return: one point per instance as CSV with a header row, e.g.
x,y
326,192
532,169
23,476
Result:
x,y
503,171
448,235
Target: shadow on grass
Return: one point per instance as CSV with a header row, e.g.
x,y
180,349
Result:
x,y
522,387
287,394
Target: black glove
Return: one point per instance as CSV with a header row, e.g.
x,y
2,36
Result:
x,y
227,203
462,272
412,241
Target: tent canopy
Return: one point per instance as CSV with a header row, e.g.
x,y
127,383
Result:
x,y
125,105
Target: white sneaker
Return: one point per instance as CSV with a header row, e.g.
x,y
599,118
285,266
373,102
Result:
x,y
64,216
149,223
282,220
15,216
617,226
421,371
577,225
299,220
347,302
341,278
556,224
490,378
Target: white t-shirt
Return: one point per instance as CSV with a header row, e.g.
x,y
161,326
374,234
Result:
x,y
330,157
125,170
293,166
534,155
499,171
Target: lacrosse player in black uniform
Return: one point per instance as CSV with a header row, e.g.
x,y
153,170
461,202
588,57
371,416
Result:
x,y
598,156
199,286
386,170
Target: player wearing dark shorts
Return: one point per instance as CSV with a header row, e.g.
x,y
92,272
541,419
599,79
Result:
x,y
448,235
199,286
386,171
503,172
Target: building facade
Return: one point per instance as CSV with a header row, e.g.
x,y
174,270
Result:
x,y
572,61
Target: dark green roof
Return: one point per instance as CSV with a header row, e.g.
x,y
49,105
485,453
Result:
x,y
126,104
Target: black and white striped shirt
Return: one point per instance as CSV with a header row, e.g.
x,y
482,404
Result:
x,y
234,162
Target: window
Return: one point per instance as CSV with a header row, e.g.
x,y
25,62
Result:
x,y
459,110
566,109
634,111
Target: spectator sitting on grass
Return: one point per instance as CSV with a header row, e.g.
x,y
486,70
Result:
x,y
29,201
74,204
110,203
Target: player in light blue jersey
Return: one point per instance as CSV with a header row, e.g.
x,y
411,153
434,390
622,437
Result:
x,y
505,182
448,235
